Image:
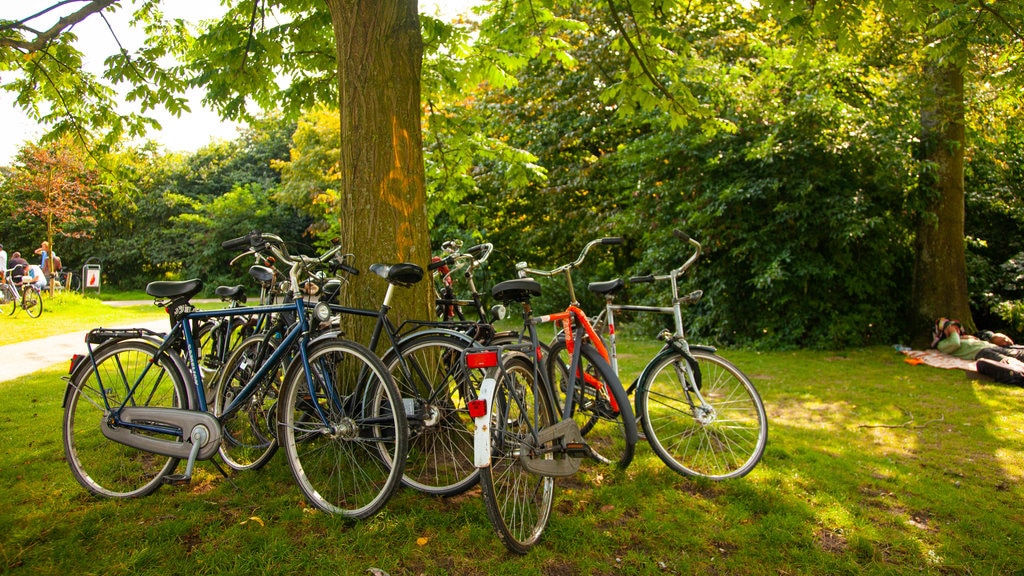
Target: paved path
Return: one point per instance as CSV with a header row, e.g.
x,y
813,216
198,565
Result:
x,y
23,358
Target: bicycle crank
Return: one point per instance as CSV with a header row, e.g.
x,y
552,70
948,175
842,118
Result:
x,y
556,451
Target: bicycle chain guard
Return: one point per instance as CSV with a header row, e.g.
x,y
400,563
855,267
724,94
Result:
x,y
562,440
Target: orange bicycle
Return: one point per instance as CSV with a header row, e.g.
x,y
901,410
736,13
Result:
x,y
598,405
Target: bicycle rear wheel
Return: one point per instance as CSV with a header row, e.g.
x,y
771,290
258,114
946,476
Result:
x,y
436,388
102,466
32,301
8,299
345,437
518,501
250,430
723,438
610,433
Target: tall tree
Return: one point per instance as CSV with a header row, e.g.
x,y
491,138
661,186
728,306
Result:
x,y
947,39
374,56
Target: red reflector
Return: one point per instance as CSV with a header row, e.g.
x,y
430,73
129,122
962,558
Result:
x,y
477,408
485,359
74,362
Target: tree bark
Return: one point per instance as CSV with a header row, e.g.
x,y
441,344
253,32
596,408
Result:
x,y
940,268
383,194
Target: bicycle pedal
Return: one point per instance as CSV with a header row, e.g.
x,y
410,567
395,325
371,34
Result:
x,y
177,479
577,450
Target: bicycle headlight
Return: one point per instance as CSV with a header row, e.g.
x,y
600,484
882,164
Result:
x,y
322,312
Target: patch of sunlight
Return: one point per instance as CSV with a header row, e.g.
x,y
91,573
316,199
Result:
x,y
1012,462
810,415
894,441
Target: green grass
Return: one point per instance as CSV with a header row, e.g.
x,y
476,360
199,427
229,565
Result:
x,y
70,312
873,467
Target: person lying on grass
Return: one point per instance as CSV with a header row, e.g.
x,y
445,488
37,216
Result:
x,y
996,357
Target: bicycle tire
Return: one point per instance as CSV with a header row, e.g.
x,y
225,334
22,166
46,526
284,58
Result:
x,y
32,301
348,462
436,389
8,299
612,435
518,501
725,442
104,467
250,431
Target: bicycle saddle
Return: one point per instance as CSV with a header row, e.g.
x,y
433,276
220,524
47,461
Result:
x,y
231,292
518,290
607,287
174,289
404,274
261,274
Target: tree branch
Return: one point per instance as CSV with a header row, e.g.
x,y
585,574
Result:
x,y
617,21
1002,20
42,39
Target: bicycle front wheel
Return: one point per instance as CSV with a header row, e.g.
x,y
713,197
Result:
x,y
250,428
436,388
32,301
723,437
518,501
610,430
344,430
102,466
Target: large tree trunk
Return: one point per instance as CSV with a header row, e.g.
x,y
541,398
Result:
x,y
384,215
940,268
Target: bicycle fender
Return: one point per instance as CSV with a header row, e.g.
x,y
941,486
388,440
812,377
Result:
x,y
670,351
482,431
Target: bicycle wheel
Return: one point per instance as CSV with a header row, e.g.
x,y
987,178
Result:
x,y
518,501
102,466
611,433
723,438
32,301
344,438
250,429
435,388
8,299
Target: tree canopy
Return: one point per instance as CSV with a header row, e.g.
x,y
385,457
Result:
x,y
803,143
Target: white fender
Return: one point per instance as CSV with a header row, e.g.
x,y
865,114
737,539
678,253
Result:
x,y
482,433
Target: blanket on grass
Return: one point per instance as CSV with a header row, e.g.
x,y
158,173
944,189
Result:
x,y
939,360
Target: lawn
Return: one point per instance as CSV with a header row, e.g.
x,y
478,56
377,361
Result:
x,y
873,466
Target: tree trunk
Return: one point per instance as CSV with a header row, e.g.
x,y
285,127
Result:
x,y
383,195
940,268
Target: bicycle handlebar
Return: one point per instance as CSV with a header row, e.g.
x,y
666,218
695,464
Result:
x,y
477,254
678,271
524,269
258,242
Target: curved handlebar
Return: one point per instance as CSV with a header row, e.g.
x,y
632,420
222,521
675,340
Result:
x,y
475,255
258,242
678,271
524,269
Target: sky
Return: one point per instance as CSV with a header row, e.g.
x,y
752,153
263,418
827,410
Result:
x,y
185,133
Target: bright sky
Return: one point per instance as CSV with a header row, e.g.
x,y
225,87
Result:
x,y
186,133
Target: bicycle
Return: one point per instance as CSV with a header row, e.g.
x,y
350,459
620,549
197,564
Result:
x,y
597,405
450,308
24,296
700,414
133,409
422,360
524,437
